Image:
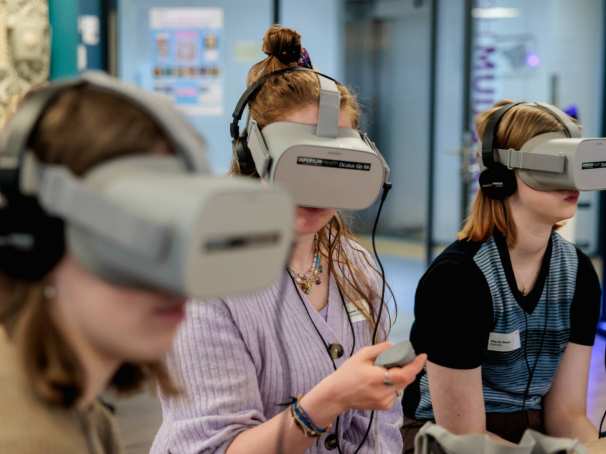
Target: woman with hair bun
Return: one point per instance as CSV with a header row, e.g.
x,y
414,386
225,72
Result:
x,y
231,360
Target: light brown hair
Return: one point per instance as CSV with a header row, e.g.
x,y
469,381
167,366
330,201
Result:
x,y
284,94
517,126
82,128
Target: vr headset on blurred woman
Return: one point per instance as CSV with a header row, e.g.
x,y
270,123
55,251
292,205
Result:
x,y
321,166
145,220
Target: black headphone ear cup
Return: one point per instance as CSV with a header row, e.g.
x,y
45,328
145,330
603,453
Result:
x,y
31,241
244,156
498,183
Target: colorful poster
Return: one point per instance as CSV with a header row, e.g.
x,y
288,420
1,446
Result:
x,y
186,62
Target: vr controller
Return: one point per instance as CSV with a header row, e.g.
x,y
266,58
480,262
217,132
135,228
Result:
x,y
398,355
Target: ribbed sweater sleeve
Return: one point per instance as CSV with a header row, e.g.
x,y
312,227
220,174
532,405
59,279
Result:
x,y
220,394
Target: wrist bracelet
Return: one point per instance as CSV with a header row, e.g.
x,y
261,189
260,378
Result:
x,y
304,422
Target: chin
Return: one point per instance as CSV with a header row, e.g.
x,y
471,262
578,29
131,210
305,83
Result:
x,y
312,220
566,214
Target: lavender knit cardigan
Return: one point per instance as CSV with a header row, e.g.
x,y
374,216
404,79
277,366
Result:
x,y
229,359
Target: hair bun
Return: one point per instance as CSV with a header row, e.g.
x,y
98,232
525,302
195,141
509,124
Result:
x,y
283,43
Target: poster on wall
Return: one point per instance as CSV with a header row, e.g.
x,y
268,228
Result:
x,y
186,57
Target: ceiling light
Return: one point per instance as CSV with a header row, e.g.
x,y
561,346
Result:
x,y
494,13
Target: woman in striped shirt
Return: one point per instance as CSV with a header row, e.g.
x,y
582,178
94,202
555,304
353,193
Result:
x,y
508,313
241,360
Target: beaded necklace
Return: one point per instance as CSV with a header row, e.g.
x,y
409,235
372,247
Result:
x,y
312,276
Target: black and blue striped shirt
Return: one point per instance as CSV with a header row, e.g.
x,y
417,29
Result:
x,y
470,313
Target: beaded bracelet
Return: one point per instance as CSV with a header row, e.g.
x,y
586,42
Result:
x,y
304,422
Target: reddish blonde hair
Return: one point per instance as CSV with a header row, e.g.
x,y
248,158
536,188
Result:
x,y
520,124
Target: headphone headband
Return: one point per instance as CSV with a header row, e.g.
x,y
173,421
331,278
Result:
x,y
254,88
489,135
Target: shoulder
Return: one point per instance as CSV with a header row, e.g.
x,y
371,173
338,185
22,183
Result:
x,y
586,303
208,324
230,307
565,248
453,301
454,285
586,268
356,252
573,262
586,277
28,424
353,257
455,262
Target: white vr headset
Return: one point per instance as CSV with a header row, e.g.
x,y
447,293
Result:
x,y
321,165
153,221
554,161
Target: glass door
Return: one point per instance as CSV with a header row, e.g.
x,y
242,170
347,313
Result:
x,y
388,63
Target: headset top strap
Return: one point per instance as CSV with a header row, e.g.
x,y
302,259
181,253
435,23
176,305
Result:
x,y
330,104
572,129
254,88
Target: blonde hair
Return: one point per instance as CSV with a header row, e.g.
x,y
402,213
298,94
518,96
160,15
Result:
x,y
517,126
69,134
286,93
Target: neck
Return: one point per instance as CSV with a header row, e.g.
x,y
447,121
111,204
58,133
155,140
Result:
x,y
303,253
98,367
533,236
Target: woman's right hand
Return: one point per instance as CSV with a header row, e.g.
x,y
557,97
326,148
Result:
x,y
359,384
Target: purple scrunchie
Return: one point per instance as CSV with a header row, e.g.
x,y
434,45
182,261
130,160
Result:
x,y
304,59
300,55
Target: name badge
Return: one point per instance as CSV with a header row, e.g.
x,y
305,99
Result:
x,y
504,342
355,314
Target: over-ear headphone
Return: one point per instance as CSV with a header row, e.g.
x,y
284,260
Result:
x,y
497,181
32,241
240,141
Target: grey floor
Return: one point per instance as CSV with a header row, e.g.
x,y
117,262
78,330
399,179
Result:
x,y
139,416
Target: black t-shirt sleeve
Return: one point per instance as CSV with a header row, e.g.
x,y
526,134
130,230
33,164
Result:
x,y
585,307
453,314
